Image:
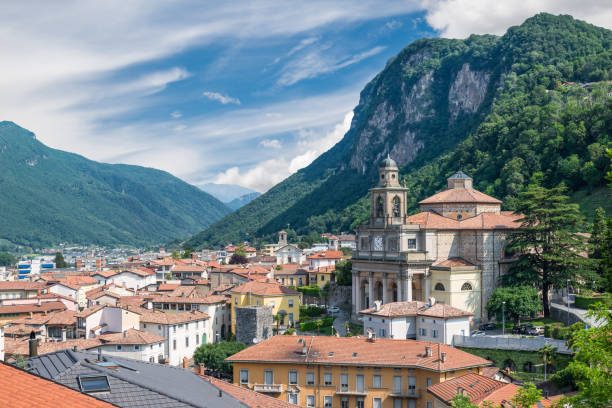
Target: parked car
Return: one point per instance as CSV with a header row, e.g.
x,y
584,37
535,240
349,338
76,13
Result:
x,y
477,333
487,326
333,309
523,328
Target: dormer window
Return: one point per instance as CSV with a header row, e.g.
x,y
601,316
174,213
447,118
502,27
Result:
x,y
459,216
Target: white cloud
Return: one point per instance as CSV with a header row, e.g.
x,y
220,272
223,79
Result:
x,y
304,43
176,114
319,61
311,144
224,99
393,24
460,18
271,143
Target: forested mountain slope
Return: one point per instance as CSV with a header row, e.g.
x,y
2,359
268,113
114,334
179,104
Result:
x,y
533,103
50,196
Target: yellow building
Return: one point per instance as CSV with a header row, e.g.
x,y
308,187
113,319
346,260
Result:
x,y
321,276
282,299
343,372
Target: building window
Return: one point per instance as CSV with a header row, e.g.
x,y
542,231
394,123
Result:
x,y
144,326
151,359
174,344
327,379
244,376
360,403
396,206
397,384
174,329
344,403
412,243
236,301
186,341
412,385
293,398
310,379
377,403
380,209
290,302
381,332
423,332
439,287
197,339
429,382
293,378
268,377
365,244
429,405
159,327
434,333
466,286
328,401
376,381
322,278
310,401
136,347
118,348
397,403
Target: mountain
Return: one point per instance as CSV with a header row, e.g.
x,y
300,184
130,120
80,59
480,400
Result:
x,y
50,196
226,192
243,200
533,104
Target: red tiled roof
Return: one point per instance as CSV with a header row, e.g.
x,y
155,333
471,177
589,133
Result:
x,y
21,285
416,308
21,348
105,274
158,317
430,220
188,268
20,330
21,389
460,195
131,336
248,397
44,307
98,295
264,289
90,310
65,318
167,287
453,262
326,255
357,351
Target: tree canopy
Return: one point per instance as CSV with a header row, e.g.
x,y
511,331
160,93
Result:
x,y
521,301
213,355
7,259
59,260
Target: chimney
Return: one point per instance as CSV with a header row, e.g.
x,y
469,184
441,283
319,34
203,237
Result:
x,y
74,348
99,353
460,391
33,344
427,351
443,356
185,362
125,334
304,349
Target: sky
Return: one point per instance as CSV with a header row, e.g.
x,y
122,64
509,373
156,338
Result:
x,y
240,92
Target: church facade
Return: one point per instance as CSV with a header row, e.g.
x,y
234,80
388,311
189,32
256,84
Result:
x,y
453,250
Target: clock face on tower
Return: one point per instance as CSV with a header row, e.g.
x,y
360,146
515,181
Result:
x,y
378,243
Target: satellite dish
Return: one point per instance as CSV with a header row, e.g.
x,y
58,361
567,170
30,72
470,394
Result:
x,y
255,340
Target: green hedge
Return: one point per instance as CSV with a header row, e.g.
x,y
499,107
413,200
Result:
x,y
312,290
585,302
312,325
311,311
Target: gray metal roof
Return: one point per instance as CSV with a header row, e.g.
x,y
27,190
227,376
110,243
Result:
x,y
459,175
134,383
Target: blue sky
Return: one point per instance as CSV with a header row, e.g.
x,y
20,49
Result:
x,y
229,92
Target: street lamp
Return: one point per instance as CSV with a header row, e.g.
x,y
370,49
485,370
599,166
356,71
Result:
x,y
503,318
568,298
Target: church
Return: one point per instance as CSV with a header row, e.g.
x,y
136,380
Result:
x,y
453,250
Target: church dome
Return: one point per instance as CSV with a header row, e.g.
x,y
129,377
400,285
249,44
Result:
x,y
388,163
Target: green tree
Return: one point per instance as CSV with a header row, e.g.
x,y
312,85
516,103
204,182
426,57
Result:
x,y
527,396
7,259
318,323
59,260
213,355
462,401
547,353
591,367
344,274
188,251
521,301
176,254
605,263
549,250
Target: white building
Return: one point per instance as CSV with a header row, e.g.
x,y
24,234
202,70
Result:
x,y
136,278
323,259
184,332
431,321
289,254
75,287
136,344
101,319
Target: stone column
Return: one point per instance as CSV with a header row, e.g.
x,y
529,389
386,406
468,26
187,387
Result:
x,y
408,288
400,287
385,298
353,289
371,289
427,286
357,294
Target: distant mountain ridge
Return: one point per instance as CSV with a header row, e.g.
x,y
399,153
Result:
x,y
243,200
49,196
531,104
226,192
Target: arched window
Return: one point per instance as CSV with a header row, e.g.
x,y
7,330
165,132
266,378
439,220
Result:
x,y
396,206
466,286
380,209
439,287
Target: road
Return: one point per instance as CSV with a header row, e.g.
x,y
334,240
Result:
x,y
341,318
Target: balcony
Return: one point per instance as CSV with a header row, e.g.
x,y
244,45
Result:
x,y
411,393
346,391
268,388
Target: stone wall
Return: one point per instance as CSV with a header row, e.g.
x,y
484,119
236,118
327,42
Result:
x,y
253,322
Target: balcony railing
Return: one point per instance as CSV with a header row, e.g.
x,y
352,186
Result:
x,y
409,393
342,390
268,388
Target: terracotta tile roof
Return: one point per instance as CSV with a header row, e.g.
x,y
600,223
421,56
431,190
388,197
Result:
x,y
460,195
479,388
326,255
34,320
159,317
223,288
142,271
453,262
188,268
357,351
182,299
21,389
416,308
21,347
131,336
163,262
75,282
20,330
323,269
133,300
44,307
65,318
89,311
184,291
430,220
21,285
248,397
105,274
264,289
167,287
98,295
290,270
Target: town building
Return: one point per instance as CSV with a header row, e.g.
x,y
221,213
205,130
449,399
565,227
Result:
x,y
100,319
289,254
321,276
291,275
18,311
75,287
325,371
324,259
133,343
423,321
347,241
133,278
21,289
283,300
453,250
69,302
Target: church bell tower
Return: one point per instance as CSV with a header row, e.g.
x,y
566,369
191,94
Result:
x,y
388,197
